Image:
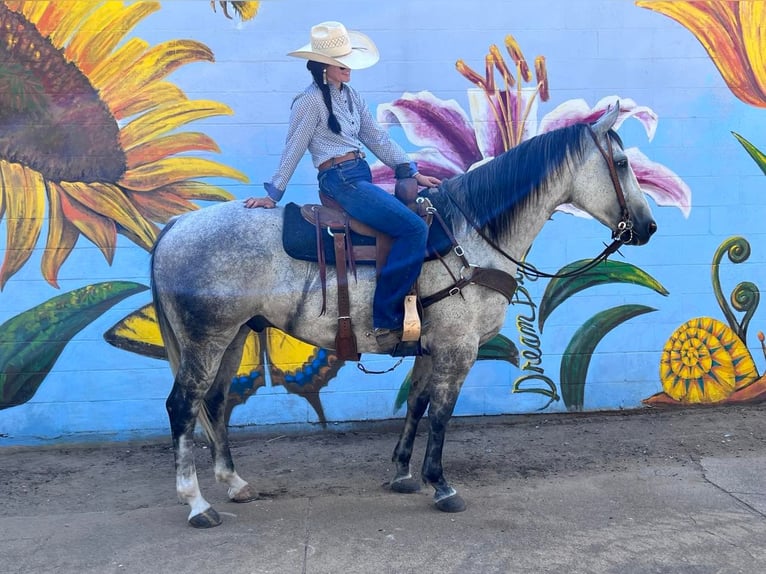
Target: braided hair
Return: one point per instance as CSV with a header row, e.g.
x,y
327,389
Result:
x,y
317,70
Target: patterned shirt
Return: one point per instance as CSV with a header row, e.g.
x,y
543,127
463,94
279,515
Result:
x,y
308,130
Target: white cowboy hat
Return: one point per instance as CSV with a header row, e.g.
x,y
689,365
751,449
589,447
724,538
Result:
x,y
332,44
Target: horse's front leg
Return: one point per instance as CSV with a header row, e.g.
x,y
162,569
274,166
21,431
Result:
x,y
214,421
450,369
417,403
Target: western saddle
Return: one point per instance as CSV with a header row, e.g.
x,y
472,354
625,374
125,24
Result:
x,y
330,217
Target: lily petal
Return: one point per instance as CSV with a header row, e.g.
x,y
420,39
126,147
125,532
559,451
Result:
x,y
660,183
575,111
430,162
428,121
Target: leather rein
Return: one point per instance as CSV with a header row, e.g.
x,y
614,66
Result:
x,y
505,283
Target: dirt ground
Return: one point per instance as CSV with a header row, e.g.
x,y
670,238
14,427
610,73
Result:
x,y
480,452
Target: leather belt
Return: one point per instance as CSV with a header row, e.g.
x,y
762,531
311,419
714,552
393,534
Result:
x,y
356,154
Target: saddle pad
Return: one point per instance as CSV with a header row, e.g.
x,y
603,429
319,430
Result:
x,y
299,239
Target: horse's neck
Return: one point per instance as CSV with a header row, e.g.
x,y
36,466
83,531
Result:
x,y
528,221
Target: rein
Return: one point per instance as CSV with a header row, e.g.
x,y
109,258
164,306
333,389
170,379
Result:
x,y
621,236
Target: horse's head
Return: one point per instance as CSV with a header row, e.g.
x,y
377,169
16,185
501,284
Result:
x,y
607,188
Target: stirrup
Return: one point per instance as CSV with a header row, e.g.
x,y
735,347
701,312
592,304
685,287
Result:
x,y
411,325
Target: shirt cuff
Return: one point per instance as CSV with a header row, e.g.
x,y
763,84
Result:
x,y
274,192
405,170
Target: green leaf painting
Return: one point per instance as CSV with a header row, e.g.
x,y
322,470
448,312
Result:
x,y
499,348
755,153
560,289
576,358
30,343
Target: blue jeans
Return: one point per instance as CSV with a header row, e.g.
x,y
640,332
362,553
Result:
x,y
350,184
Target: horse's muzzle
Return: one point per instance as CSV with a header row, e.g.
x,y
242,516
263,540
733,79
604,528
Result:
x,y
642,233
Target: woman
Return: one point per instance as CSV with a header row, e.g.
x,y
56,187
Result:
x,y
332,121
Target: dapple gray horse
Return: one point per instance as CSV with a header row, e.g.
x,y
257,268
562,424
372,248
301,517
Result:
x,y
220,271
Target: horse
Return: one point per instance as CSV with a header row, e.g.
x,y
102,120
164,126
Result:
x,y
220,271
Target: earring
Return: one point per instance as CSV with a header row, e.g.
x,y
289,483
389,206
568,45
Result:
x,y
324,76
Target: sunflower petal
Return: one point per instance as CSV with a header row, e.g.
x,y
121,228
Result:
x,y
113,20
197,190
33,11
155,64
174,169
149,97
168,118
101,230
160,148
48,19
24,191
160,205
62,237
428,121
63,20
111,202
122,59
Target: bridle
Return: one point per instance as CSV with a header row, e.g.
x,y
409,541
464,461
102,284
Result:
x,y
622,235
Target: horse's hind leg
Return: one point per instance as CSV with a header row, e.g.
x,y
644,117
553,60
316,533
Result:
x,y
417,403
214,421
196,370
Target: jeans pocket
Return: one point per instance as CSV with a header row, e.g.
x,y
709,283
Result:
x,y
322,179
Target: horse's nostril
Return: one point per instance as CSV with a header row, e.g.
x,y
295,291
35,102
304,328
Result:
x,y
652,227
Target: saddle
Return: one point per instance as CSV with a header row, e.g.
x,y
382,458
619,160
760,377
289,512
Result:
x,y
331,220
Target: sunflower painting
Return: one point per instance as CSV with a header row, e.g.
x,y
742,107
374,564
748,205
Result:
x,y
88,130
91,145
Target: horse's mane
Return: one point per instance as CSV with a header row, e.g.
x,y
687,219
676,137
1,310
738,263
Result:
x,y
491,194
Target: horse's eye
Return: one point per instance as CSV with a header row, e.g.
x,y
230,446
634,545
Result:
x,y
622,163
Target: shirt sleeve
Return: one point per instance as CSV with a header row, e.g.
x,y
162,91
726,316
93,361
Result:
x,y
303,122
377,140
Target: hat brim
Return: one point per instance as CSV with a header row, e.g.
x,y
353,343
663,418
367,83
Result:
x,y
363,53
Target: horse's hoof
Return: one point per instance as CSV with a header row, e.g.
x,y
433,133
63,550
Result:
x,y
245,494
453,503
207,519
405,485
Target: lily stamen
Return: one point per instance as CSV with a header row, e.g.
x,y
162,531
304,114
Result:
x,y
470,75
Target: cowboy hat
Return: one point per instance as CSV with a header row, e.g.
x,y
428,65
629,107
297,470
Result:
x,y
332,44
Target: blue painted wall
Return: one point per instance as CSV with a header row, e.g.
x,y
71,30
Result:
x,y
593,49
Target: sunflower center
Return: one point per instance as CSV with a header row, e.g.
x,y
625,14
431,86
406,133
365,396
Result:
x,y
51,118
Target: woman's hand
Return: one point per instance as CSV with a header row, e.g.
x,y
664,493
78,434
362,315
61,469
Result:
x,y
427,180
266,202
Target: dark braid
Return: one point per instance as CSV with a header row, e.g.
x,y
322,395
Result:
x,y
317,71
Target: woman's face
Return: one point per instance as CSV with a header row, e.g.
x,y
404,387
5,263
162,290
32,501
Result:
x,y
337,75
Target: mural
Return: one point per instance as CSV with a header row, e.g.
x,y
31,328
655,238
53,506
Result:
x,y
106,134
706,361
89,127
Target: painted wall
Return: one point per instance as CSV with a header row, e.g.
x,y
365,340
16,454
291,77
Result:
x,y
116,116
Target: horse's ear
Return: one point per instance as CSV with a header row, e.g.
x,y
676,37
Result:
x,y
605,122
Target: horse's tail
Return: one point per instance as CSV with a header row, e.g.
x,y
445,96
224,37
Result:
x,y
166,331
